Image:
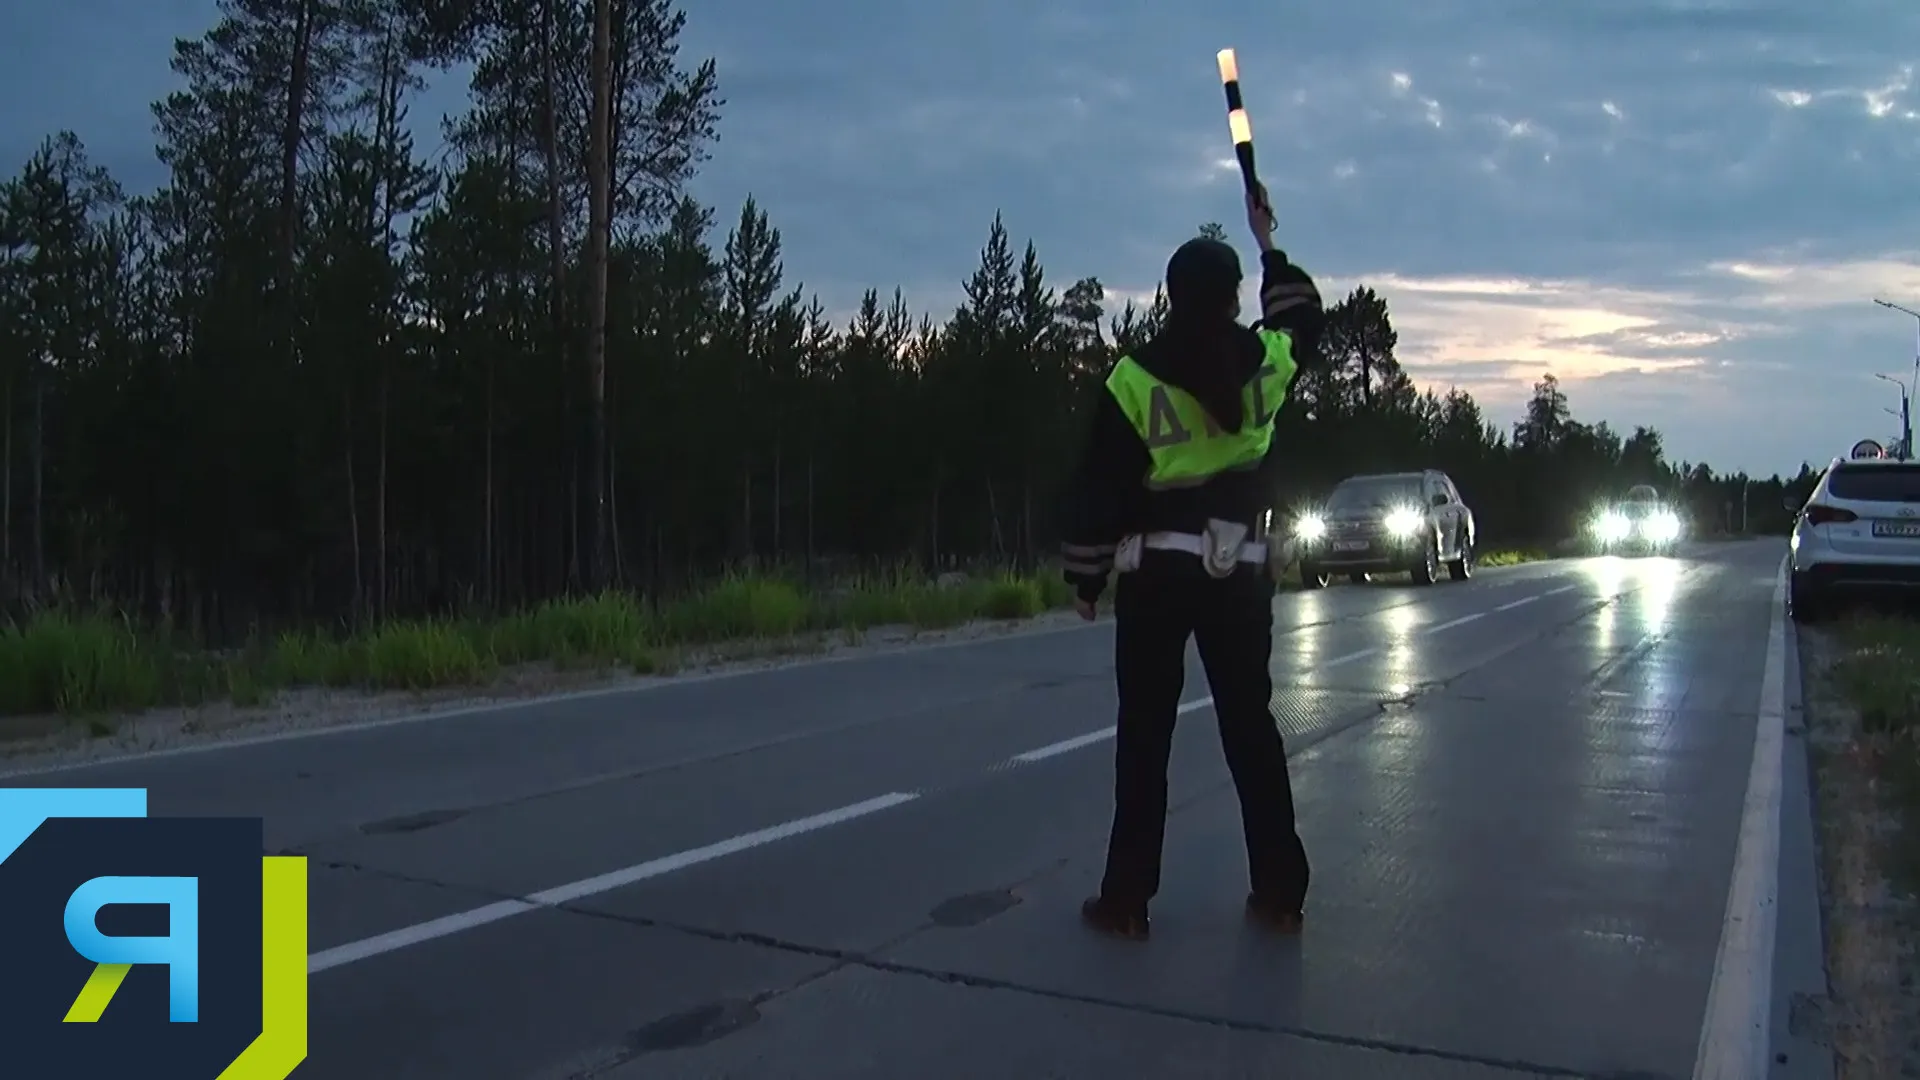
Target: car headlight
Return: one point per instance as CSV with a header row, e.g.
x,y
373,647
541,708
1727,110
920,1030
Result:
x,y
1310,527
1403,521
1664,525
1612,525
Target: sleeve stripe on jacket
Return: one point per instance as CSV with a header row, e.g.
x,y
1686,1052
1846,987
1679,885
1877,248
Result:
x,y
1285,296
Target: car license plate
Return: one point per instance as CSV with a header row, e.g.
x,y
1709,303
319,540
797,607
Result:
x,y
1349,545
1909,529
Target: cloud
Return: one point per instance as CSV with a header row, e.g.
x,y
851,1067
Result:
x,y
1681,207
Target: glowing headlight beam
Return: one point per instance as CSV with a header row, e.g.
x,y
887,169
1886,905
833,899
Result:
x,y
1309,527
1239,126
1662,526
1402,521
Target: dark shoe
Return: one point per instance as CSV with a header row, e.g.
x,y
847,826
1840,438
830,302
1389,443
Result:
x,y
1276,917
1115,919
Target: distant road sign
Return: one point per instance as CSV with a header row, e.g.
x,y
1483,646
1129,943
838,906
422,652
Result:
x,y
1867,448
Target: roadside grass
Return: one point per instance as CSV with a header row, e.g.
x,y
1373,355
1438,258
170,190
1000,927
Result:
x,y
84,663
1877,671
1512,557
1862,725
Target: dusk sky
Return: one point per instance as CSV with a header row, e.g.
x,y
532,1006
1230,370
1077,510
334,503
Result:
x,y
1682,208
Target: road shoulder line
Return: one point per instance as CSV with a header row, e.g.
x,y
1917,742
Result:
x,y
1735,1035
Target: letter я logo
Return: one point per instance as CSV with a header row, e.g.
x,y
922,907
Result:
x,y
42,980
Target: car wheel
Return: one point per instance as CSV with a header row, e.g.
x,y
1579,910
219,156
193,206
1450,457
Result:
x,y
1461,568
1804,603
1312,577
1428,568
1359,579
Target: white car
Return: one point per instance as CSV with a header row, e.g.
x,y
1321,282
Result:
x,y
1859,533
1384,523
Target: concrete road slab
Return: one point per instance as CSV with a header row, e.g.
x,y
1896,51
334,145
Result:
x,y
546,996
1482,925
860,1024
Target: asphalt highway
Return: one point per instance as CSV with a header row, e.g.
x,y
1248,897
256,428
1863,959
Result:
x,y
1521,794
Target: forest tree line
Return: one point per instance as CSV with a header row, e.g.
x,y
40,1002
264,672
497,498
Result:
x,y
320,374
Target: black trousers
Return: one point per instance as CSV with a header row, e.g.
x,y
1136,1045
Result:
x,y
1169,598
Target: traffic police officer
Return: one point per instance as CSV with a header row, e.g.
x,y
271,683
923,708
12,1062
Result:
x,y
1177,481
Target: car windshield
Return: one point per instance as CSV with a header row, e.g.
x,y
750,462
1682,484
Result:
x,y
1362,492
1876,483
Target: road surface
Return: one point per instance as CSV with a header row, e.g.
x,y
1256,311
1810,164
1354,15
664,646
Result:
x,y
1521,795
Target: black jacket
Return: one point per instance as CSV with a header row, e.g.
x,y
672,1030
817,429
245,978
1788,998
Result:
x,y
1107,497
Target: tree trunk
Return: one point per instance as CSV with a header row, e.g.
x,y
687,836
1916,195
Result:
x,y
353,517
934,532
613,515
292,135
380,509
488,589
599,198
6,489
38,463
567,536
996,541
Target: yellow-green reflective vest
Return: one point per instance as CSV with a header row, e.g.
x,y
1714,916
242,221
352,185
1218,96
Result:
x,y
1186,446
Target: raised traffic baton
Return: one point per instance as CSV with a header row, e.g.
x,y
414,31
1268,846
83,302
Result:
x,y
1238,125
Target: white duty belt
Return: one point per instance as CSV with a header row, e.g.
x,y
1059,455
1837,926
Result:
x,y
1220,549
1192,544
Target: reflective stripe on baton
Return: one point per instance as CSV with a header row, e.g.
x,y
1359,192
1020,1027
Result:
x,y
1239,126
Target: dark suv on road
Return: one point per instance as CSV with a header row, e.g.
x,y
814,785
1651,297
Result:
x,y
1384,523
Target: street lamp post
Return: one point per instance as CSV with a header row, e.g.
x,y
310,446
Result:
x,y
1914,388
1906,417
1913,391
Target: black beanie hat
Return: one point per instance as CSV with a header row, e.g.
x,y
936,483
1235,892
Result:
x,y
1203,273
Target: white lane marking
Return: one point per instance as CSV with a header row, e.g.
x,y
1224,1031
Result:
x,y
381,944
1736,1033
1558,591
1068,746
1064,746
1516,603
1349,658
1461,621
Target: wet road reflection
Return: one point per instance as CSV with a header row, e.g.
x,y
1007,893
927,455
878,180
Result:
x,y
1402,654
1302,649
